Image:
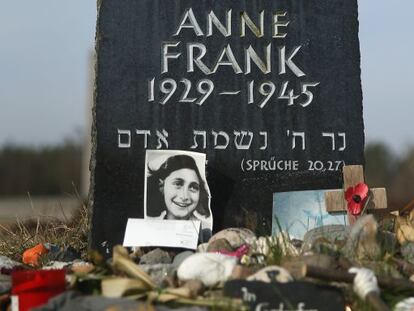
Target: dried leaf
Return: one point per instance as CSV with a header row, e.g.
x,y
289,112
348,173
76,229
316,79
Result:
x,y
118,287
405,233
122,262
146,307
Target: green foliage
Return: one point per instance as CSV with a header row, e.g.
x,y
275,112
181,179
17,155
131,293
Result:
x,y
380,165
403,185
275,255
40,171
276,247
383,168
360,305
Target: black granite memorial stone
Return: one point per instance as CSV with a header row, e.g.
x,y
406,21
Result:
x,y
292,296
269,90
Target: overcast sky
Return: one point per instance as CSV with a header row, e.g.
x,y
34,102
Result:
x,y
46,46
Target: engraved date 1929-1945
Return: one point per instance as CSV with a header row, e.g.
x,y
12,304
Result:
x,y
274,164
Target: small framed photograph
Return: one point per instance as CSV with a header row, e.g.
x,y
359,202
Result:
x,y
297,212
176,187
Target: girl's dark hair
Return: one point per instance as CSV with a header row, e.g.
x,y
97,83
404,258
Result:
x,y
155,203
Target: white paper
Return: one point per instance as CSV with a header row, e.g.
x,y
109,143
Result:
x,y
160,232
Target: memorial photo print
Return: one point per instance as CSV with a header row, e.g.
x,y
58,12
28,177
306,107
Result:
x,y
176,187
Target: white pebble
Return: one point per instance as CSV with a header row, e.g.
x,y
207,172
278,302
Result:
x,y
405,305
209,268
235,236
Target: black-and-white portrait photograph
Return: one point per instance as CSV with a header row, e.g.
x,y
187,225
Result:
x,y
176,187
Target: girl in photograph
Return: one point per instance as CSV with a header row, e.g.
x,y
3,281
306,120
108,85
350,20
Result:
x,y
176,190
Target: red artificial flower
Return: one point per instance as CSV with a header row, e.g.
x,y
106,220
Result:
x,y
356,197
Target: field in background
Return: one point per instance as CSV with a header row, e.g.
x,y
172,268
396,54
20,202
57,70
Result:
x,y
43,182
46,207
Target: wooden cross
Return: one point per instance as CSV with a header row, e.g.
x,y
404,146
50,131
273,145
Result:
x,y
353,175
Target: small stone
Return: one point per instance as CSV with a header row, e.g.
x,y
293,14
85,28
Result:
x,y
362,242
180,257
156,256
333,234
405,305
56,265
202,248
297,265
322,246
82,267
6,264
271,274
219,245
209,268
158,272
63,254
196,287
241,272
407,250
320,260
235,236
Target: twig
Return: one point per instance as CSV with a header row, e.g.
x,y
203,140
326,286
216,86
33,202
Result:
x,y
368,200
77,192
376,302
63,212
372,298
34,212
22,228
407,208
303,270
405,267
7,230
340,276
213,303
